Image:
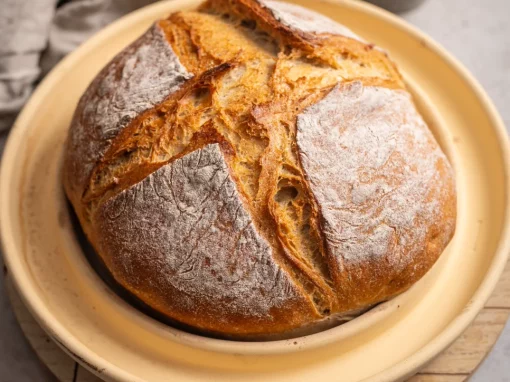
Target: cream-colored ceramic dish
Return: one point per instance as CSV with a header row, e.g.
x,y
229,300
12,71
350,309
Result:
x,y
389,343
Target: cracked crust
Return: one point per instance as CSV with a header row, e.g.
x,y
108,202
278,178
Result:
x,y
220,166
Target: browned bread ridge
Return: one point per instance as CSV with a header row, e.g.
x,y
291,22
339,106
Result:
x,y
255,170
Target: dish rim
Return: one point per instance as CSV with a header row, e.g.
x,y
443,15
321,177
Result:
x,y
398,370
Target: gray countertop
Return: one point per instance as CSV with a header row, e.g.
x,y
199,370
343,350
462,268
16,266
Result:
x,y
478,34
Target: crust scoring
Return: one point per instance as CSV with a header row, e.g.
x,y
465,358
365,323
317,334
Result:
x,y
299,214
135,80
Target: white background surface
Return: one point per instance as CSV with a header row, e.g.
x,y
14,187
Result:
x,y
477,32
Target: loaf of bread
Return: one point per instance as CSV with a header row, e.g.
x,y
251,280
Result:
x,y
254,170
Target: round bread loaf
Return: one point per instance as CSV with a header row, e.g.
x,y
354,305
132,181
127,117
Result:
x,y
254,170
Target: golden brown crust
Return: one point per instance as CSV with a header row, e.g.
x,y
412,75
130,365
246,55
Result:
x,y
330,49
246,74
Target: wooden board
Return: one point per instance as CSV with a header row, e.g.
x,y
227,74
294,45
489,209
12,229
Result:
x,y
455,364
60,364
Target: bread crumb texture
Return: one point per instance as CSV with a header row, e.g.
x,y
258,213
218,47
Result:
x,y
253,168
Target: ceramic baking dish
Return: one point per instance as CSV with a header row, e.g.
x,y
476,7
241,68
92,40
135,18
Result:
x,y
391,342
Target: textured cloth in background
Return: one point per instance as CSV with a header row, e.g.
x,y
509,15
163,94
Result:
x,y
24,26
36,34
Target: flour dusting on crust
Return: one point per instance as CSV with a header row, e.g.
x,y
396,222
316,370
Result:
x,y
184,230
141,76
257,215
374,168
305,20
